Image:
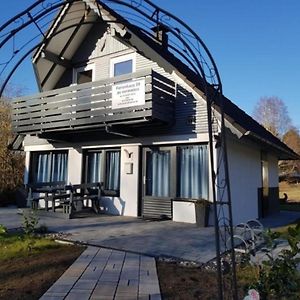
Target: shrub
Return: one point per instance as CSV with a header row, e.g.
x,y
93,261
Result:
x,y
30,222
3,229
278,277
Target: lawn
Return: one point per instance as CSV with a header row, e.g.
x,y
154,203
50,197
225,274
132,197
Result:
x,y
292,190
30,265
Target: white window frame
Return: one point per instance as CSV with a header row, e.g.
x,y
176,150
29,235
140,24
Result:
x,y
122,58
81,69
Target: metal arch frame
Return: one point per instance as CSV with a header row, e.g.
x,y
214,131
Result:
x,y
204,67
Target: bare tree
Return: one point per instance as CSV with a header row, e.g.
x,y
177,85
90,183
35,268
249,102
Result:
x,y
292,139
271,112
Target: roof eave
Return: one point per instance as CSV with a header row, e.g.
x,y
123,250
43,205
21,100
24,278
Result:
x,y
284,154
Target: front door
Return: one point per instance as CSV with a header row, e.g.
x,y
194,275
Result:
x,y
158,182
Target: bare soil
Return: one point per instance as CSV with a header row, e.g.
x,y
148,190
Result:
x,y
189,283
30,277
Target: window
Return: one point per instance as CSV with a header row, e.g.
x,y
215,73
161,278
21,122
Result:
x,y
176,171
94,162
192,170
122,65
112,171
83,74
103,166
50,166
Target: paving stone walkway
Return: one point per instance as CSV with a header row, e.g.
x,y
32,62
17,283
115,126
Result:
x,y
104,274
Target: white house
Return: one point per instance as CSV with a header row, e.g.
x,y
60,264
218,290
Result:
x,y
116,107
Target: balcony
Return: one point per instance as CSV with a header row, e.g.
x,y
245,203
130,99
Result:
x,y
132,100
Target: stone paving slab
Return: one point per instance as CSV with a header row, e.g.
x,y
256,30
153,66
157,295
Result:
x,y
104,274
165,238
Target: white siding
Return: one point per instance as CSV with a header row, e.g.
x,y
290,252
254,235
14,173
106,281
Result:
x,y
186,106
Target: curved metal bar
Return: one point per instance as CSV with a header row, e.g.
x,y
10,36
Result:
x,y
189,29
35,18
19,62
175,33
6,24
191,53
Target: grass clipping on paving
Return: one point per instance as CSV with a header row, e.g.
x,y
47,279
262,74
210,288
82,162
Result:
x,y
30,265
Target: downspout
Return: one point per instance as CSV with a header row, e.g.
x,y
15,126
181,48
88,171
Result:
x,y
108,130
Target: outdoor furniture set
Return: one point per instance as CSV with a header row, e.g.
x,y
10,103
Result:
x,y
71,198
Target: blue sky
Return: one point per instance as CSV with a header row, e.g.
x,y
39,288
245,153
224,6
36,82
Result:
x,y
256,45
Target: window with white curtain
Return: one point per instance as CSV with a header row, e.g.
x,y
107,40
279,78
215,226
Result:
x,y
94,161
192,172
158,173
103,166
112,170
50,166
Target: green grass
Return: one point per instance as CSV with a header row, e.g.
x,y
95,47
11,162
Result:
x,y
284,229
292,190
20,245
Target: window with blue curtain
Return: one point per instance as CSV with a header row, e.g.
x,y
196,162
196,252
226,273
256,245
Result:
x,y
158,173
49,166
192,166
94,168
112,170
104,166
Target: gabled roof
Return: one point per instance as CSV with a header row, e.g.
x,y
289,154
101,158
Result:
x,y
246,125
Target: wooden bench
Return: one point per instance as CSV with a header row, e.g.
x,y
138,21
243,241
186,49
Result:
x,y
67,196
42,191
77,194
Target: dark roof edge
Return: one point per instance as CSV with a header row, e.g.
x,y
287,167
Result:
x,y
17,143
291,155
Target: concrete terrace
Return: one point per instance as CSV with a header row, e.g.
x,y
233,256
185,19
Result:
x,y
154,238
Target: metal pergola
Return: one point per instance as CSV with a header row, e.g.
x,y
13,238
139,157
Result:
x,y
24,33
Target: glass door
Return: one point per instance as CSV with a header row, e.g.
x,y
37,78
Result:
x,y
158,182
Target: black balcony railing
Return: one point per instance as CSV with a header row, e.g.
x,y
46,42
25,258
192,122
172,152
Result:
x,y
91,105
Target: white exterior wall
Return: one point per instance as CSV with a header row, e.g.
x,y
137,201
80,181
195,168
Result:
x,y
245,178
26,171
129,184
74,166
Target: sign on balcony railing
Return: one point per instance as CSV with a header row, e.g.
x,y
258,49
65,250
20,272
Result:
x,y
127,94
